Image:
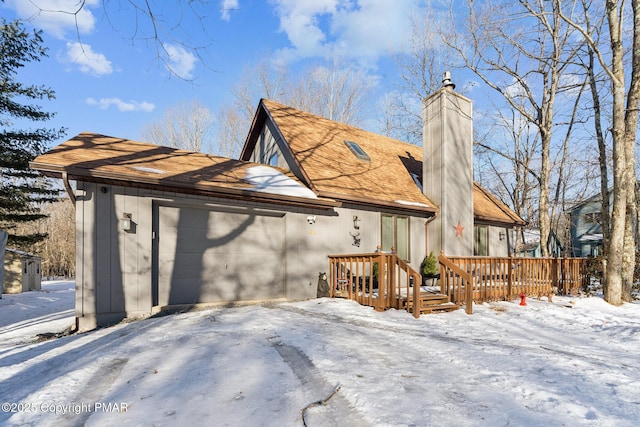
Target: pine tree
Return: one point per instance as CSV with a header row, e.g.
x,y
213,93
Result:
x,y
22,191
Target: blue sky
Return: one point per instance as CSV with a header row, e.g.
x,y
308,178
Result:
x,y
108,78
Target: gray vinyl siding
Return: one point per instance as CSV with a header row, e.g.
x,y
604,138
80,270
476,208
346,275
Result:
x,y
116,272
113,266
269,143
217,256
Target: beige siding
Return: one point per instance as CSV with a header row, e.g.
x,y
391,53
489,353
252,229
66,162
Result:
x,y
448,170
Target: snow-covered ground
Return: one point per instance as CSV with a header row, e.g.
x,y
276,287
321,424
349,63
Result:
x,y
574,362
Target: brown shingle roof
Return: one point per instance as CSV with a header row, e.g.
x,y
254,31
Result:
x,y
317,145
332,170
100,158
488,208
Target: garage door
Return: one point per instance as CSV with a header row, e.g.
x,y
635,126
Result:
x,y
213,256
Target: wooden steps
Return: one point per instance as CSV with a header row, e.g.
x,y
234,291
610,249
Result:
x,y
430,303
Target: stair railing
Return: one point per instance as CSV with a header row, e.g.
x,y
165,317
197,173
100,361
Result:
x,y
456,282
357,277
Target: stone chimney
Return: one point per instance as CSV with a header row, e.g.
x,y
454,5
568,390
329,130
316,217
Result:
x,y
447,168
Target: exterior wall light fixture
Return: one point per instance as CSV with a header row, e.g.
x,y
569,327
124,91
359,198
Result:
x,y
125,222
356,222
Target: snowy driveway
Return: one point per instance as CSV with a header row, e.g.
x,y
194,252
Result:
x,y
543,364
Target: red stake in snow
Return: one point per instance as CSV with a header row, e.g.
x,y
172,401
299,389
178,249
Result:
x,y
523,298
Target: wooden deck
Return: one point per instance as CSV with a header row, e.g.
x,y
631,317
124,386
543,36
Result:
x,y
481,279
383,281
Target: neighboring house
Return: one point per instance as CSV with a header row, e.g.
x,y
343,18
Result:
x,y
531,244
159,227
22,272
586,226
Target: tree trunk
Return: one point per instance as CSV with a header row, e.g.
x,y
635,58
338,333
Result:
x,y
629,256
544,195
602,155
630,130
615,266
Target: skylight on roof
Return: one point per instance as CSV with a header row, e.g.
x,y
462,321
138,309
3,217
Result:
x,y
357,151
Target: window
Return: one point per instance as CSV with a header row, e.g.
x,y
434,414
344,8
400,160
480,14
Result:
x,y
593,218
273,159
358,151
395,234
481,240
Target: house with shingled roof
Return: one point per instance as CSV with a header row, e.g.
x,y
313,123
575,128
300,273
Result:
x,y
159,227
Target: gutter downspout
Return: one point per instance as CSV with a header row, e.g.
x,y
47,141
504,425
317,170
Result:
x,y
67,186
426,232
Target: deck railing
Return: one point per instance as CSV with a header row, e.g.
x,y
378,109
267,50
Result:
x,y
379,280
382,280
482,279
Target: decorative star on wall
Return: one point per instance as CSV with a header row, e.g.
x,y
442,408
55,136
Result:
x,y
459,229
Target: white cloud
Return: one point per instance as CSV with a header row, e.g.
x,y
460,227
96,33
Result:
x,y
375,26
125,106
362,29
181,61
89,61
226,7
57,17
515,89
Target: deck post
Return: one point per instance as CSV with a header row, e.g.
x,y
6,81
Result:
x,y
510,277
468,305
382,282
332,279
443,287
393,281
417,302
555,271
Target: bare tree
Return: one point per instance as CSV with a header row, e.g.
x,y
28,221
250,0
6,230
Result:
x,y
187,125
335,92
421,68
231,132
263,79
165,26
624,127
509,168
58,250
599,106
399,117
522,51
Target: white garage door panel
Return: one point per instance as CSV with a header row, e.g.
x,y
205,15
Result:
x,y
207,256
